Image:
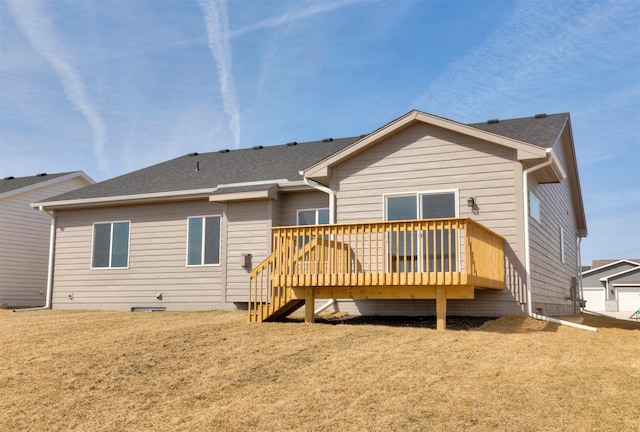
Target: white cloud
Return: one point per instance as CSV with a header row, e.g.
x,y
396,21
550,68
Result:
x,y
293,16
217,23
33,20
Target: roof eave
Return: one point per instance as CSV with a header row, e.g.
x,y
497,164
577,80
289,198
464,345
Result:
x,y
124,199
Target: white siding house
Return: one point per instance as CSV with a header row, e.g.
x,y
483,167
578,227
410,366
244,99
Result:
x,y
24,235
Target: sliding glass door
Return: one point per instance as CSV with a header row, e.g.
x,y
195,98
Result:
x,y
422,250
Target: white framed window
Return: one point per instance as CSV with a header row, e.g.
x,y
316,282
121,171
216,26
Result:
x,y
203,240
110,245
422,205
534,206
562,245
318,216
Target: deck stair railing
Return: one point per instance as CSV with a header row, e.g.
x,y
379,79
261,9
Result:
x,y
420,253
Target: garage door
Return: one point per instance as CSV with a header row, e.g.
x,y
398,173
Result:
x,y
628,299
594,298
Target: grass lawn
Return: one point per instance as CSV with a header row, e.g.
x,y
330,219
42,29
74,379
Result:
x,y
212,371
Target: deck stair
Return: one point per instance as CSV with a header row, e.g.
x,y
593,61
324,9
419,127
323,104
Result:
x,y
269,302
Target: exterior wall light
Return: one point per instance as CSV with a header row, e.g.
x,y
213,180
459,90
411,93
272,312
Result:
x,y
471,201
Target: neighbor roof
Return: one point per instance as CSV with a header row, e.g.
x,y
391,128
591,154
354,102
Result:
x,y
13,183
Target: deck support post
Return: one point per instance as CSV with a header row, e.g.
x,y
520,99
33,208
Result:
x,y
441,308
309,305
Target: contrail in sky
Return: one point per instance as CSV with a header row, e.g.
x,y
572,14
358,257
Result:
x,y
217,21
32,19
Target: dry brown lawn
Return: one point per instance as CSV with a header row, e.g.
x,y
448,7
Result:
x,y
211,371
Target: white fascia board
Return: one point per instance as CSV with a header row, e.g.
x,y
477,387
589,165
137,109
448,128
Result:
x,y
610,265
125,199
271,193
49,182
253,183
155,197
556,166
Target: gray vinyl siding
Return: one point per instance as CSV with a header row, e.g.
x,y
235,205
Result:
x,y
291,202
248,231
631,278
423,158
551,280
157,261
24,244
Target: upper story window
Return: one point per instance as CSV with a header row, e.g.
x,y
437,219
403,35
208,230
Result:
x,y
425,205
534,207
110,245
313,216
203,244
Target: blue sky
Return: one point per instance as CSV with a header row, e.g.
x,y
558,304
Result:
x,y
108,87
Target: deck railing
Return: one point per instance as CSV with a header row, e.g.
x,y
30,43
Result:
x,y
415,252
431,252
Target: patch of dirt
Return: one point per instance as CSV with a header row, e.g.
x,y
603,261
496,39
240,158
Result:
x,y
453,322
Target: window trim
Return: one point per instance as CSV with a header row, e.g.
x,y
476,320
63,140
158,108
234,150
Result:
x,y
316,210
202,244
93,241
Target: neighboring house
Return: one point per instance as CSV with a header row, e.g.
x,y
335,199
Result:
x,y
488,208
612,286
25,234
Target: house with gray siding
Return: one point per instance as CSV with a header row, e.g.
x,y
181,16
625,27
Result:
x,y
187,233
612,286
25,234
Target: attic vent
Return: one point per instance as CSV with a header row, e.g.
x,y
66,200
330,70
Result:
x,y
193,154
41,174
327,140
543,115
257,147
363,135
223,151
9,178
292,143
493,121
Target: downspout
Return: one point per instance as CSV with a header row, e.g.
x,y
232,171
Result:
x,y
580,274
527,254
52,241
332,220
328,191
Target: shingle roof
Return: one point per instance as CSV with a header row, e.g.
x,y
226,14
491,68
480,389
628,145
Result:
x,y
8,184
274,162
542,131
215,168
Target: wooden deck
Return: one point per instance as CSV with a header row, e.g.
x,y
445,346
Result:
x,y
437,259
